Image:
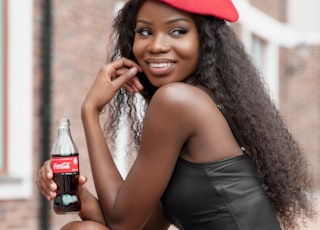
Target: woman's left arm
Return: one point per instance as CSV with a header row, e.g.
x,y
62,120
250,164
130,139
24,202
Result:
x,y
129,204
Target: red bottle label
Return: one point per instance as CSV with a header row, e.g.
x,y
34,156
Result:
x,y
68,164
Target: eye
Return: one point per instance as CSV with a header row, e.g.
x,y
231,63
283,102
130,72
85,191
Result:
x,y
178,32
145,32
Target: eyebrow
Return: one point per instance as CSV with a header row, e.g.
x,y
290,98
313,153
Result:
x,y
168,22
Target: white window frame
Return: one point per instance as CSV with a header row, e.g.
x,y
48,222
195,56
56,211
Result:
x,y
18,182
276,34
2,85
268,64
251,20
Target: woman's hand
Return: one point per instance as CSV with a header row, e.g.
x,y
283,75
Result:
x,y
90,207
133,85
46,184
111,77
45,181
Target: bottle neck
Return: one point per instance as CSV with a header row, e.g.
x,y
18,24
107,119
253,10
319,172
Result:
x,y
64,144
63,129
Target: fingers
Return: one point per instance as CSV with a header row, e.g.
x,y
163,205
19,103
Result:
x,y
45,181
133,85
124,79
125,71
112,77
136,82
46,184
124,62
82,180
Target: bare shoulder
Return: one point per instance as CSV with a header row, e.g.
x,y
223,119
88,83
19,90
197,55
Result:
x,y
178,112
182,95
182,106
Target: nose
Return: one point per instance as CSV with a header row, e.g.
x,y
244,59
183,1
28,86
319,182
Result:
x,y
159,44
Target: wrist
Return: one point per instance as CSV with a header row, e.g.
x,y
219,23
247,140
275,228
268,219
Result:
x,y
82,191
90,117
89,110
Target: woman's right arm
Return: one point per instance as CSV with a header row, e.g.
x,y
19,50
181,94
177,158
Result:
x,y
90,207
157,220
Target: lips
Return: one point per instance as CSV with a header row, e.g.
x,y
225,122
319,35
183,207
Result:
x,y
159,66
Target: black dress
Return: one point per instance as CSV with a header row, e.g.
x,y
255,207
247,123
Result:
x,y
223,195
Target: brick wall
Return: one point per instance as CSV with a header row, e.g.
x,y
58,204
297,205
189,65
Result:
x,y
79,40
300,99
274,8
80,33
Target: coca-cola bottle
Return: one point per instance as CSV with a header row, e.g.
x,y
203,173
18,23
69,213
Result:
x,y
65,167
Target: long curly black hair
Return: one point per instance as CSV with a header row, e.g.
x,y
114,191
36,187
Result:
x,y
227,71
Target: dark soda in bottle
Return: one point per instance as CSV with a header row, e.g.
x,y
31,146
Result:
x,y
65,167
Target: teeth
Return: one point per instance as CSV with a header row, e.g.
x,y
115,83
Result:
x,y
160,65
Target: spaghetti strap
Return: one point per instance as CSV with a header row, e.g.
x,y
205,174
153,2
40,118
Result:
x,y
228,119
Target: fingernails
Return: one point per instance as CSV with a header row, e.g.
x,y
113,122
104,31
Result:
x,y
140,86
133,71
53,186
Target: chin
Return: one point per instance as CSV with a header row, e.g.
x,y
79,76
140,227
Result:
x,y
161,82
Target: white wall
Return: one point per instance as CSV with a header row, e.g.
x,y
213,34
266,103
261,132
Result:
x,y
304,15
18,183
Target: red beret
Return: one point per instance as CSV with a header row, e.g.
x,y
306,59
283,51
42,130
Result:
x,y
223,9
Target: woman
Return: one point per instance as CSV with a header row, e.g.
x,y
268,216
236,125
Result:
x,y
194,168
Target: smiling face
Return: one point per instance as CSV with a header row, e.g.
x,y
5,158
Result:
x,y
166,43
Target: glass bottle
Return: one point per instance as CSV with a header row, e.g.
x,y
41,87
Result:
x,y
65,167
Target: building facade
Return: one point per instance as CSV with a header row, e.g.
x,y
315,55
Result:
x,y
52,51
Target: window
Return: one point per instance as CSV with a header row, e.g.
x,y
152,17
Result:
x,y
258,52
16,103
3,75
265,56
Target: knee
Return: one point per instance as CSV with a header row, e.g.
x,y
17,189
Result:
x,y
84,225
69,226
72,225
